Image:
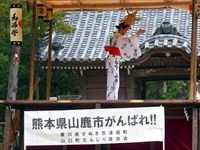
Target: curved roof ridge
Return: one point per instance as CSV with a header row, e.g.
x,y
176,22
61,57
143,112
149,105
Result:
x,y
166,41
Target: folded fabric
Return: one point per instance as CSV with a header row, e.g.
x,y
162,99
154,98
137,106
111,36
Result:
x,y
113,50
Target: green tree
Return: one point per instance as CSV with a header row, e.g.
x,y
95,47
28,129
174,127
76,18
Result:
x,y
170,89
6,49
60,79
64,82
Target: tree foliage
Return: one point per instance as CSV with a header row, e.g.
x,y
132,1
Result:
x,y
60,26
5,48
170,89
64,82
24,66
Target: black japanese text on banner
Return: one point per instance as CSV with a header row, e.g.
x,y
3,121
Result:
x,y
16,24
94,126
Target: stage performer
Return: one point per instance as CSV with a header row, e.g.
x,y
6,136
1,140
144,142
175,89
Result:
x,y
121,47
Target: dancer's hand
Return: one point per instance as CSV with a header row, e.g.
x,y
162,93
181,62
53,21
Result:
x,y
140,31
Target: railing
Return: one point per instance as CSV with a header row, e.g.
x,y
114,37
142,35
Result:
x,y
2,125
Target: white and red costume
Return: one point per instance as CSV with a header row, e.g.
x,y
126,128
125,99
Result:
x,y
120,47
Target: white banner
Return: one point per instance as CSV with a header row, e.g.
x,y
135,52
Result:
x,y
94,126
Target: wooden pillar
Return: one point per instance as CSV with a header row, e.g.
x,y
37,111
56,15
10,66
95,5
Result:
x,y
48,88
193,64
83,86
32,62
7,130
144,89
65,147
152,146
136,88
193,77
98,147
21,135
103,146
35,89
198,126
129,86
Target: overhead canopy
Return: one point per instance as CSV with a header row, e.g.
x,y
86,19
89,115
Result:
x,y
101,5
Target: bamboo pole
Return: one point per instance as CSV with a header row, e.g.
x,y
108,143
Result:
x,y
32,62
48,88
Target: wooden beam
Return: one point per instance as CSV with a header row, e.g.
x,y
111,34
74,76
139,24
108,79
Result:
x,y
111,5
32,61
105,103
169,73
48,88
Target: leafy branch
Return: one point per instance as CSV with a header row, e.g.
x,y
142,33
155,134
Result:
x,y
60,26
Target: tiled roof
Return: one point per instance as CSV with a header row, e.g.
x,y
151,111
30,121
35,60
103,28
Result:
x,y
166,41
93,30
